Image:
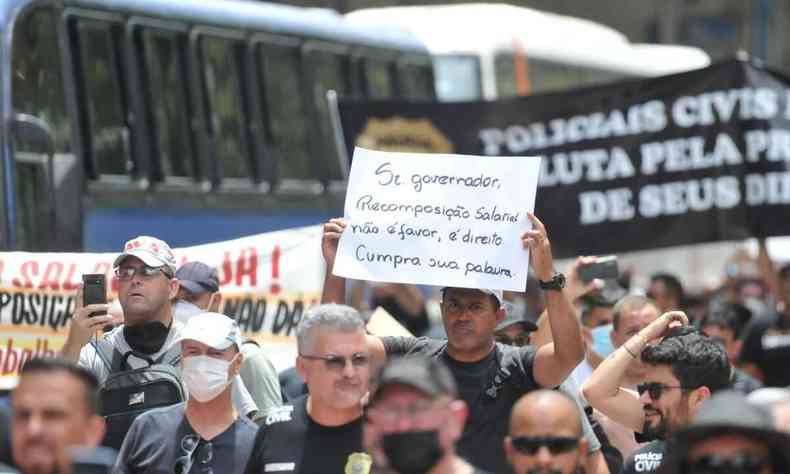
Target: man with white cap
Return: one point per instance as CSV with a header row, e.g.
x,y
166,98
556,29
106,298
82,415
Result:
x,y
491,376
205,432
146,288
146,285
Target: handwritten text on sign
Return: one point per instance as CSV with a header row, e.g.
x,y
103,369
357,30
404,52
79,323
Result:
x,y
445,220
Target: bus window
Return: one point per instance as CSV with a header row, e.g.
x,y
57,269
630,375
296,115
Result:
x,y
331,71
222,78
416,80
165,76
37,83
458,78
547,76
505,70
105,132
378,78
279,68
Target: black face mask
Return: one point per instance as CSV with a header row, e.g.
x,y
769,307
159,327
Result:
x,y
147,337
412,452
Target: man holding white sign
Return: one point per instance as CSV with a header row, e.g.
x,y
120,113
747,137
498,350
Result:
x,y
490,376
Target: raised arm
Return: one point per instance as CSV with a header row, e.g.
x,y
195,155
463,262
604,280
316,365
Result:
x,y
334,286
83,326
603,389
553,362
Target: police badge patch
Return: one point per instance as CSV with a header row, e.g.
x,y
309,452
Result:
x,y
358,463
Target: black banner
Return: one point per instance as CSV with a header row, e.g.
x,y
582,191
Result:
x,y
689,158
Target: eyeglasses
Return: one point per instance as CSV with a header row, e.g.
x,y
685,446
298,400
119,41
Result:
x,y
656,389
519,341
555,444
337,363
741,463
190,444
127,273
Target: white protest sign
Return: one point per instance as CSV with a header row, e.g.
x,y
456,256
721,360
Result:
x,y
445,220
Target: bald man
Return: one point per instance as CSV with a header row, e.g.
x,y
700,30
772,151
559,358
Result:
x,y
545,435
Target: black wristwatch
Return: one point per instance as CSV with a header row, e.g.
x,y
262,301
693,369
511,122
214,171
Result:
x,y
557,282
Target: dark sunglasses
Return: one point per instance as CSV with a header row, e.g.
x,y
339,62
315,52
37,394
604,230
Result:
x,y
656,389
555,444
190,446
741,463
338,363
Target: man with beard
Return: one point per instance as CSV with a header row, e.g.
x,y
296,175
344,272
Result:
x,y
491,377
322,431
415,418
683,369
55,408
545,435
631,314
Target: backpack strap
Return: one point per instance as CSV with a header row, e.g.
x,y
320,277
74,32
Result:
x,y
171,356
107,356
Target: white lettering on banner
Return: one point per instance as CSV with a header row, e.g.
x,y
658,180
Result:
x,y
267,282
438,219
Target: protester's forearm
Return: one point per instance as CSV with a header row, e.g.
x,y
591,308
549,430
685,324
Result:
x,y
565,328
767,270
606,380
334,288
70,352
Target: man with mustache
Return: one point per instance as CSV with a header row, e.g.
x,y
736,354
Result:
x,y
682,369
322,431
491,376
545,435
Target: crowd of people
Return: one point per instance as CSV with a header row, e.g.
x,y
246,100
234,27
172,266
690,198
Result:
x,y
571,376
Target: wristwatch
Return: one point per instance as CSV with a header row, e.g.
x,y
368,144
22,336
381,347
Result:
x,y
557,282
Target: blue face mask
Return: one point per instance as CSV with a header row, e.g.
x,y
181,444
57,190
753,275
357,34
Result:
x,y
602,343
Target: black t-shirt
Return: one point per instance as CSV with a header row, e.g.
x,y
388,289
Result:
x,y
645,459
157,438
490,387
291,442
767,345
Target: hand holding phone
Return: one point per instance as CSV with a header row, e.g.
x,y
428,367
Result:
x,y
604,268
94,290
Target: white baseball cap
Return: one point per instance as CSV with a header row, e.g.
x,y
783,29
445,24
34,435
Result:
x,y
212,329
498,294
152,251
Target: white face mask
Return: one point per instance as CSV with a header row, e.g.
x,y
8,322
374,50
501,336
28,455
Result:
x,y
205,377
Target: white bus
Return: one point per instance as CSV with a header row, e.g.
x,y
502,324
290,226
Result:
x,y
489,51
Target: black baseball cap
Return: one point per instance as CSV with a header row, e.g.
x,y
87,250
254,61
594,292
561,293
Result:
x,y
197,277
512,319
427,375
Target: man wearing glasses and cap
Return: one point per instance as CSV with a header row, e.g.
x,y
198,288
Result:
x,y
146,285
683,368
322,431
491,377
415,418
205,434
729,436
